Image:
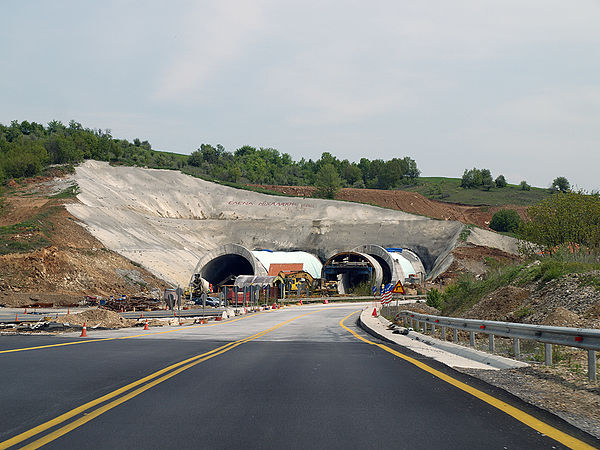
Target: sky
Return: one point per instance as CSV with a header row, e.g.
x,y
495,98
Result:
x,y
508,85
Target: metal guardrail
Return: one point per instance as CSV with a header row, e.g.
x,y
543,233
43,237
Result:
x,y
584,338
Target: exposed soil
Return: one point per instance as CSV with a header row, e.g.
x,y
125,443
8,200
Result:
x,y
97,318
475,260
59,262
410,202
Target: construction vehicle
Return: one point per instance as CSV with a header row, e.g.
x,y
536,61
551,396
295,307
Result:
x,y
197,287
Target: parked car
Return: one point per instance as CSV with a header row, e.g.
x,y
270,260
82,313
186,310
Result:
x,y
210,301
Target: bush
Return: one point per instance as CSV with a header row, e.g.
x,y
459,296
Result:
x,y
564,219
434,299
507,220
524,186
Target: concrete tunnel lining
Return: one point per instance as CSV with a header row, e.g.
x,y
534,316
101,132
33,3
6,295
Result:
x,y
330,270
382,256
228,260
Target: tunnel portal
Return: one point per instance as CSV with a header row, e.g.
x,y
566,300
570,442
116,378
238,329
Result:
x,y
352,269
224,269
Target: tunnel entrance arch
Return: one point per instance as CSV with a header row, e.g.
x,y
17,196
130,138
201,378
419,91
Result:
x,y
352,269
222,265
383,258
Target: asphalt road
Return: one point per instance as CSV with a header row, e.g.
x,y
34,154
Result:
x,y
292,378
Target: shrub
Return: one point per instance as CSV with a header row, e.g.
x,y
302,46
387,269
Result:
x,y
524,186
507,220
564,219
434,299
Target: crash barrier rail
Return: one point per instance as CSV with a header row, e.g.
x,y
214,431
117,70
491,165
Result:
x,y
584,338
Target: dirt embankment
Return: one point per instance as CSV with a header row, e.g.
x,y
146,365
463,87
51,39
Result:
x,y
47,257
567,301
410,202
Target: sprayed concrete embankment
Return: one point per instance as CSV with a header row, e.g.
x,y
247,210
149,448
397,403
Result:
x,y
167,221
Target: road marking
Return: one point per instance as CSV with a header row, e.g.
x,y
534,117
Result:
x,y
516,413
151,380
63,344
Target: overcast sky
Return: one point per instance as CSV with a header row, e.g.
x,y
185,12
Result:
x,y
509,85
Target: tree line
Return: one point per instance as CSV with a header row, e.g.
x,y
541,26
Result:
x,y
254,165
26,148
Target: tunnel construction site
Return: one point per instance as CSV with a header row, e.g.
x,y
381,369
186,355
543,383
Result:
x,y
183,228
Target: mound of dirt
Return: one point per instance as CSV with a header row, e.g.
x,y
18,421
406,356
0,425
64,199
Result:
x,y
476,260
421,308
97,318
499,304
561,317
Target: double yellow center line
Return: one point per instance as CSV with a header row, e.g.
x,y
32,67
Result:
x,y
87,341
123,394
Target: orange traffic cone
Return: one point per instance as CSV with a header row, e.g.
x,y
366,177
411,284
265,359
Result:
x,y
68,311
25,310
17,318
374,314
300,302
146,325
142,315
84,331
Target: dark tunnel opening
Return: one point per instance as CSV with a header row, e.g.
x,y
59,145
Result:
x,y
223,269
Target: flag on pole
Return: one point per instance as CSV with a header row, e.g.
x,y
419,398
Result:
x,y
386,294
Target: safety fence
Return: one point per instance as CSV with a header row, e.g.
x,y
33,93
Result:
x,y
583,338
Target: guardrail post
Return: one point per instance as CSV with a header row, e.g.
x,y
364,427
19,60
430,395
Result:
x,y
516,347
455,335
492,343
433,328
548,354
412,323
592,365
443,333
472,338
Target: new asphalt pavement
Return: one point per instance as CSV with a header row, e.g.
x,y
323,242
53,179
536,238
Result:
x,y
291,378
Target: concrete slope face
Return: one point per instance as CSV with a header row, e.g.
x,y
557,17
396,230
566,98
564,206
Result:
x,y
168,221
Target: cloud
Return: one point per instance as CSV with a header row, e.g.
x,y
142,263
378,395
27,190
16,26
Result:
x,y
211,36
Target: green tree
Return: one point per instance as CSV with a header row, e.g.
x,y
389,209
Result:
x,y
327,182
500,181
195,159
507,220
560,184
471,178
392,173
524,186
412,172
486,179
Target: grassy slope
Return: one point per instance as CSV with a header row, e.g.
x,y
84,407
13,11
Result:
x,y
451,192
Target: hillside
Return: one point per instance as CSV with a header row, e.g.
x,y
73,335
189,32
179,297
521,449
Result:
x,y
47,257
412,202
449,190
137,219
